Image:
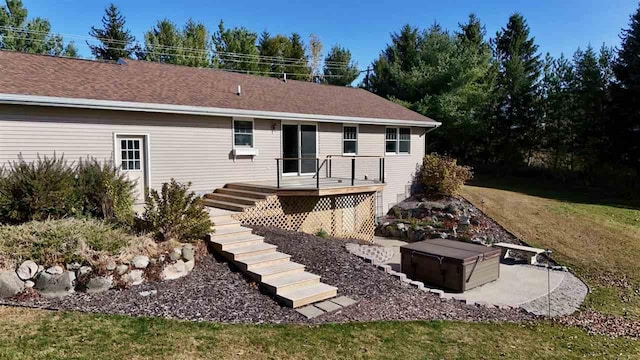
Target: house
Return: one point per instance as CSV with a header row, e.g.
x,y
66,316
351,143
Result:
x,y
288,153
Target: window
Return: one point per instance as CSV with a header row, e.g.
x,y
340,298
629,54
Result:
x,y
243,133
350,140
130,154
397,141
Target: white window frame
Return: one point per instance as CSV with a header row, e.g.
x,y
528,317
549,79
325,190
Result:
x,y
356,140
397,130
253,133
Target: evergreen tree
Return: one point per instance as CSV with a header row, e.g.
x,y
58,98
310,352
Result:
x,y
197,45
625,132
115,41
515,127
163,43
71,50
299,69
30,36
236,40
338,67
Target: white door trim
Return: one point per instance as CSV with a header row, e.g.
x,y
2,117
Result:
x,y
147,154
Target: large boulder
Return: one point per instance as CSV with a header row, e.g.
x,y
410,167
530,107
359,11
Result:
x,y
140,262
99,284
55,285
174,271
10,284
27,270
188,252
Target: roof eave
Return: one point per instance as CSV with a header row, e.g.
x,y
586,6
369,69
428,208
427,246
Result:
x,y
18,99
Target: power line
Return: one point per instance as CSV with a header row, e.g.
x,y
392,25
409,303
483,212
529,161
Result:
x,y
194,51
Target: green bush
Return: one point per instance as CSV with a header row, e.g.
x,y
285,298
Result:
x,y
176,214
104,192
442,175
59,242
37,190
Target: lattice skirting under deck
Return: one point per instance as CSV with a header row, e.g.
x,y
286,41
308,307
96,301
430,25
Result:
x,y
346,216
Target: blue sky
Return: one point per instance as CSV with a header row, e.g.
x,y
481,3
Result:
x,y
559,26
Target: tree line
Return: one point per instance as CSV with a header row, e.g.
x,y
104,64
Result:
x,y
504,106
234,49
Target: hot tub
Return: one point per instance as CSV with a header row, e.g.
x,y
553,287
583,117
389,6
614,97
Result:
x,y
449,264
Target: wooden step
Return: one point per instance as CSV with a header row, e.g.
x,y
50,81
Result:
x,y
243,193
230,232
308,294
265,273
254,262
225,224
225,244
225,205
231,199
243,252
251,187
280,284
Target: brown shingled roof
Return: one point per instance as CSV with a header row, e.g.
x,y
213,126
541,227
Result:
x,y
155,83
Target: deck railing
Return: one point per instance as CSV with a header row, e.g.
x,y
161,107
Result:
x,y
328,165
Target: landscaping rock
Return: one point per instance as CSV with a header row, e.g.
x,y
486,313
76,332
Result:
x,y
189,265
56,285
121,269
188,253
84,270
99,284
174,271
175,254
29,284
148,293
73,266
27,270
55,270
111,265
134,277
140,262
10,284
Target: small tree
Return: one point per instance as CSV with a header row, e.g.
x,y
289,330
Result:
x,y
442,175
175,213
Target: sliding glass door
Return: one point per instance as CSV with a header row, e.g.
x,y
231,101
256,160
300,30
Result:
x,y
299,147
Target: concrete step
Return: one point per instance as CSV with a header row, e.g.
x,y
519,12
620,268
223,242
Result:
x,y
280,284
254,262
230,232
251,187
244,193
225,223
231,199
307,294
243,252
225,244
265,273
225,205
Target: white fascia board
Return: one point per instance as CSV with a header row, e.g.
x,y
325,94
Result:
x,y
198,110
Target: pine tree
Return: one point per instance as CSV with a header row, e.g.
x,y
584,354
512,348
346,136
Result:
x,y
115,41
625,132
197,45
338,67
236,40
162,44
32,36
299,69
516,116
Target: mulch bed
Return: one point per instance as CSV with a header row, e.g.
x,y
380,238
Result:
x,y
214,292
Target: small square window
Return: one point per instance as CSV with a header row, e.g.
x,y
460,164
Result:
x,y
350,140
242,133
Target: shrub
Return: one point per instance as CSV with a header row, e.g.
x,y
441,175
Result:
x,y
59,242
175,213
442,175
37,190
104,192
322,233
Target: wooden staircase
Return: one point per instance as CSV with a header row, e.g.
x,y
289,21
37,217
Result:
x,y
237,197
273,270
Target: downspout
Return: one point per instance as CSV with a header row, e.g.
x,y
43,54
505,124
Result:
x,y
426,143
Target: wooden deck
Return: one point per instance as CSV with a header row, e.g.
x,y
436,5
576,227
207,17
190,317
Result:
x,y
307,186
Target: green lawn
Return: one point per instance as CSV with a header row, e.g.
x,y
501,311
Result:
x,y
37,334
596,235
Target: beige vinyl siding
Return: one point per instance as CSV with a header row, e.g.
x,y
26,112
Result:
x,y
192,148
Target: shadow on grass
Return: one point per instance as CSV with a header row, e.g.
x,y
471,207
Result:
x,y
555,190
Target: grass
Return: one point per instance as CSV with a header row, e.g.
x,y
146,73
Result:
x,y
38,334
596,235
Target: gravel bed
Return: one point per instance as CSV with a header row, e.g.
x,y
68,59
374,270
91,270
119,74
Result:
x,y
565,299
213,292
